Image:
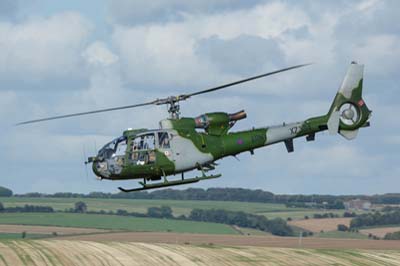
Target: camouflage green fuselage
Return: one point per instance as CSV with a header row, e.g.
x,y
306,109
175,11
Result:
x,y
189,149
184,144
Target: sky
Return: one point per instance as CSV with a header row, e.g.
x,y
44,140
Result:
x,y
60,57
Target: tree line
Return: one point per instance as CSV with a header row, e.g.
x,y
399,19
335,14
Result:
x,y
5,192
231,194
376,218
227,194
26,208
275,226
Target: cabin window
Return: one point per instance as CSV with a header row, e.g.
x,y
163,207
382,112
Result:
x,y
144,142
163,140
142,150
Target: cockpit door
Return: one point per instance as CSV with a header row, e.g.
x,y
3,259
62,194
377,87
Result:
x,y
164,143
142,149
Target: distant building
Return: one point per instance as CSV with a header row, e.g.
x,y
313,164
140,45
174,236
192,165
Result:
x,y
357,204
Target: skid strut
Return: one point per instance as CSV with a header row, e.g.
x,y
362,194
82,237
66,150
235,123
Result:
x,y
166,183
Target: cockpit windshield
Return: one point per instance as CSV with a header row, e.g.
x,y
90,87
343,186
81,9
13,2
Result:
x,y
117,147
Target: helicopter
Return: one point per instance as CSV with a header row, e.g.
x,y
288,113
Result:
x,y
183,144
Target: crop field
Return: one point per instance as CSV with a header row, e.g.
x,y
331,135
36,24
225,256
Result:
x,y
380,231
342,235
179,207
318,225
63,252
114,222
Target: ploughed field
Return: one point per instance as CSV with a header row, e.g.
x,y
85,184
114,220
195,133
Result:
x,y
64,252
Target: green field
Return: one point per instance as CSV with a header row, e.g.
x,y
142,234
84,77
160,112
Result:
x,y
115,222
179,207
339,234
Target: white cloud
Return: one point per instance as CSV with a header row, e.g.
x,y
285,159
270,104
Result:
x,y
165,54
98,54
41,48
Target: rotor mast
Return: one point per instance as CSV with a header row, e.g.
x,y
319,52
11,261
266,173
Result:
x,y
174,109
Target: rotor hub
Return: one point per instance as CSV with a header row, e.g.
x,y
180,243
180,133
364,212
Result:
x,y
348,114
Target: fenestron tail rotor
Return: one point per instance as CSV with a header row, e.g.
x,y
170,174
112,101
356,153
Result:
x,y
172,101
349,114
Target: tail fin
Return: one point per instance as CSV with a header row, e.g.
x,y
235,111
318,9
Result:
x,y
348,111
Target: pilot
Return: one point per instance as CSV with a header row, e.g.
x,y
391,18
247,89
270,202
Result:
x,y
134,152
165,143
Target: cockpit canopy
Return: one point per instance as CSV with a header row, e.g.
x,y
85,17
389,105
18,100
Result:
x,y
113,148
148,141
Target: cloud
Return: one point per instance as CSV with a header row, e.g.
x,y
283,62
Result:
x,y
97,54
190,53
128,12
43,48
244,54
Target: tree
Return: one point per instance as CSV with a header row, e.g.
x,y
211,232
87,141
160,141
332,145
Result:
x,y
1,207
122,212
5,192
80,207
166,212
156,212
392,236
342,227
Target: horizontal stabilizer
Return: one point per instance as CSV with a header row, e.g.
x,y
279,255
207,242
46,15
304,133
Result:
x,y
349,134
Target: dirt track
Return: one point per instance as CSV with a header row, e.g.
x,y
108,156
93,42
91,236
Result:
x,y
62,252
235,240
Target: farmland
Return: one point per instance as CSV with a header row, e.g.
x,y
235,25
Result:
x,y
318,225
179,207
63,252
380,231
114,222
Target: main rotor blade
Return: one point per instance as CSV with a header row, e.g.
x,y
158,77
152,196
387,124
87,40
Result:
x,y
168,100
244,80
85,113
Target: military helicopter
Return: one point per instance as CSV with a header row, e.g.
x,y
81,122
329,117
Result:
x,y
183,144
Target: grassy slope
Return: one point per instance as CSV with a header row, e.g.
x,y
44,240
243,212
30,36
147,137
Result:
x,y
114,222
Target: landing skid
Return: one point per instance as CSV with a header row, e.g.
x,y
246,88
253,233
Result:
x,y
167,183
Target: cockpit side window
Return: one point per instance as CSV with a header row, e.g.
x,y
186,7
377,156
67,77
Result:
x,y
142,149
163,140
144,142
121,147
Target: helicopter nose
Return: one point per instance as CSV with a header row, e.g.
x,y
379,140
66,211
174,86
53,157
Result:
x,y
100,169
